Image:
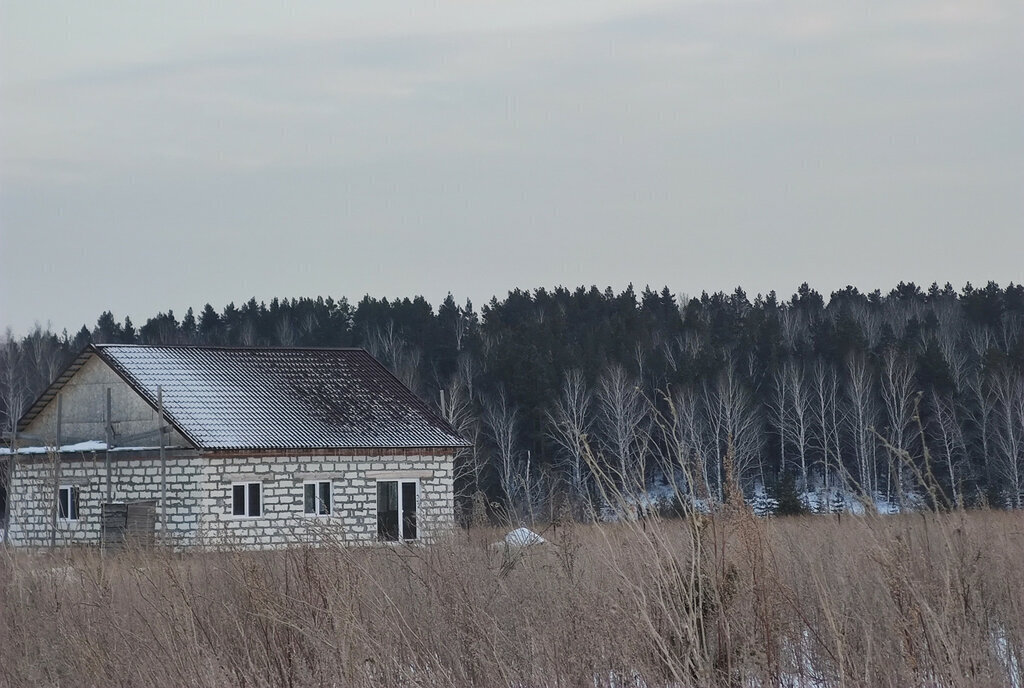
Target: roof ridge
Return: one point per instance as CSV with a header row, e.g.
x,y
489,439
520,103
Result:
x,y
204,347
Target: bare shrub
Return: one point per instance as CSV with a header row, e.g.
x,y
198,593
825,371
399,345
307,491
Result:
x,y
722,599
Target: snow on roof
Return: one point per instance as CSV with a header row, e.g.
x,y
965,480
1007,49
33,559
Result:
x,y
87,446
224,398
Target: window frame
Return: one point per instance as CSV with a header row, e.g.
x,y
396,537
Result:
x,y
316,513
74,503
401,520
246,504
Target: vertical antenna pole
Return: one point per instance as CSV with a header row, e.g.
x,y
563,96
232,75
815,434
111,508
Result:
x,y
9,482
109,429
56,478
163,457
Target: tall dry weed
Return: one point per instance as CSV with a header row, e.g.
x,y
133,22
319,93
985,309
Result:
x,y
712,599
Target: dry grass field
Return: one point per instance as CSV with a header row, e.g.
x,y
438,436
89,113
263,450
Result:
x,y
916,600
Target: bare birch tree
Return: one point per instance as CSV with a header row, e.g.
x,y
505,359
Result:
x,y
13,387
1009,436
862,417
735,425
870,323
247,333
44,357
947,432
387,344
457,409
308,322
827,441
501,418
622,414
978,403
468,370
285,331
461,326
695,447
778,413
794,414
569,421
898,393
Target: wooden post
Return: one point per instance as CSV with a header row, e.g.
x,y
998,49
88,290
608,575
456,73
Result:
x,y
9,482
56,478
109,430
163,457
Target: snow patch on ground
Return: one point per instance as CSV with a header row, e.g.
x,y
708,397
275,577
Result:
x,y
762,503
1008,658
664,497
660,496
838,500
521,537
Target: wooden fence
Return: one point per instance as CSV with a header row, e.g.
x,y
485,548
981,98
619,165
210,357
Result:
x,y
128,524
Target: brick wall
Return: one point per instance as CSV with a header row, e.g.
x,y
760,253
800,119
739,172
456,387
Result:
x,y
198,510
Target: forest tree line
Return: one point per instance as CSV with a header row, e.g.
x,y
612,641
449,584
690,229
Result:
x,y
862,392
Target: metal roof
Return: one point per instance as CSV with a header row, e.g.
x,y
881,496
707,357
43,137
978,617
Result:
x,y
250,398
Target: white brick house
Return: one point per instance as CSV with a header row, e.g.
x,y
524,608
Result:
x,y
259,448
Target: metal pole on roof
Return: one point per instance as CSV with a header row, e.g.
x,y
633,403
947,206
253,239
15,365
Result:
x,y
9,483
56,479
163,458
109,431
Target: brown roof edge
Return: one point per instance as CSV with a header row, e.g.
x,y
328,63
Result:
x,y
205,347
369,452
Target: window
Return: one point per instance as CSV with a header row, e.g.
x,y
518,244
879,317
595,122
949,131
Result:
x,y
396,509
316,498
246,499
67,503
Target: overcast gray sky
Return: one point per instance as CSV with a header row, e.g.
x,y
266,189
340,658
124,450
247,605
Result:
x,y
158,155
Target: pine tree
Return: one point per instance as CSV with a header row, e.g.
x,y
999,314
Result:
x,y
787,497
129,333
188,327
